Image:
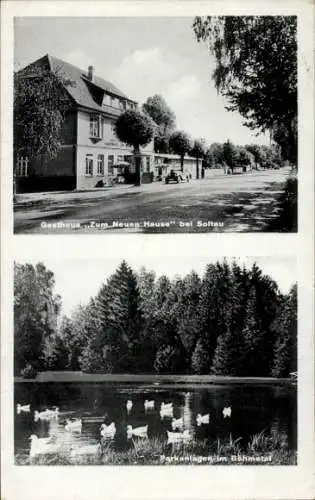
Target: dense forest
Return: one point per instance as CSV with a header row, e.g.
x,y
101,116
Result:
x,y
231,321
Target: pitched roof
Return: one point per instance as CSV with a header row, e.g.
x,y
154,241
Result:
x,y
81,90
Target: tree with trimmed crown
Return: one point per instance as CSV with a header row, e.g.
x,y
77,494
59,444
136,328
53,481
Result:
x,y
180,144
135,129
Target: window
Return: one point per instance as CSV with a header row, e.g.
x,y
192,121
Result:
x,y
106,100
114,102
120,158
122,105
96,126
22,166
148,163
89,165
112,132
110,164
100,164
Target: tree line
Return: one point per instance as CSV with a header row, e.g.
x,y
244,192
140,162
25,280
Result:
x,y
233,321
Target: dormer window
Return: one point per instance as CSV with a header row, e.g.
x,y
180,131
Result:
x,y
106,100
122,105
96,127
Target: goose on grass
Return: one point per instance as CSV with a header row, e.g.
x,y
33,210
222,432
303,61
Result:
x,y
108,431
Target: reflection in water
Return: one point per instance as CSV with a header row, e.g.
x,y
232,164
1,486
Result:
x,y
254,408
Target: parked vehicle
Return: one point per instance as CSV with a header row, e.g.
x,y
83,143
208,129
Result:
x,y
175,177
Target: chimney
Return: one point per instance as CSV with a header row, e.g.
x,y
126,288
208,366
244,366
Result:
x,y
91,73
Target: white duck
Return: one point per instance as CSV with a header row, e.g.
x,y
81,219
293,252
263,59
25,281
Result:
x,y
23,408
177,423
74,425
46,415
202,419
40,446
166,411
178,437
149,405
108,431
227,412
129,405
166,406
137,431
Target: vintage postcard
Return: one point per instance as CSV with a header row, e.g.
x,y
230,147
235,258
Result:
x,y
157,254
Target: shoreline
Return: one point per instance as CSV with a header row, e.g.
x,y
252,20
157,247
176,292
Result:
x,y
156,380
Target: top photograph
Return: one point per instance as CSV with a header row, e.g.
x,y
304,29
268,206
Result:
x,y
155,125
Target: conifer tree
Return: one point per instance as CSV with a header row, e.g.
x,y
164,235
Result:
x,y
200,361
285,329
120,318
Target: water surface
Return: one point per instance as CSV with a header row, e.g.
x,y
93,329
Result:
x,y
255,408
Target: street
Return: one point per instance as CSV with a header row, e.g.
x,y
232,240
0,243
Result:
x,y
218,203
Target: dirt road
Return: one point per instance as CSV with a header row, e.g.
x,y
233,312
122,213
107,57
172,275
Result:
x,y
220,203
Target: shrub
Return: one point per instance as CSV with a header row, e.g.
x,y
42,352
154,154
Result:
x,y
29,371
288,204
99,184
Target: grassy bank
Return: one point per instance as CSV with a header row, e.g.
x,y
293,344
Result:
x,y
64,376
260,450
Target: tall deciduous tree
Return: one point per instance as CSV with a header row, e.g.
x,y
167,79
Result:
x,y
256,69
40,105
136,129
180,144
229,154
157,107
36,309
162,115
214,155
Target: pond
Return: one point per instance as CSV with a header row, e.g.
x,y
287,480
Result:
x,y
254,408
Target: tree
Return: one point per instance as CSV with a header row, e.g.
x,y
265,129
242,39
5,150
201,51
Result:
x,y
229,154
200,361
180,143
58,358
161,142
285,332
226,355
198,151
214,155
77,331
36,309
169,359
255,150
157,108
244,158
256,69
135,129
162,115
40,105
120,328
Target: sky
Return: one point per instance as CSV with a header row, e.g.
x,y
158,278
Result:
x,y
141,56
77,279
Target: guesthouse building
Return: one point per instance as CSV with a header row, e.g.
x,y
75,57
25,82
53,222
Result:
x,y
90,155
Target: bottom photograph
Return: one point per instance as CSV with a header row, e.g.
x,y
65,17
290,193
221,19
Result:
x,y
155,361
